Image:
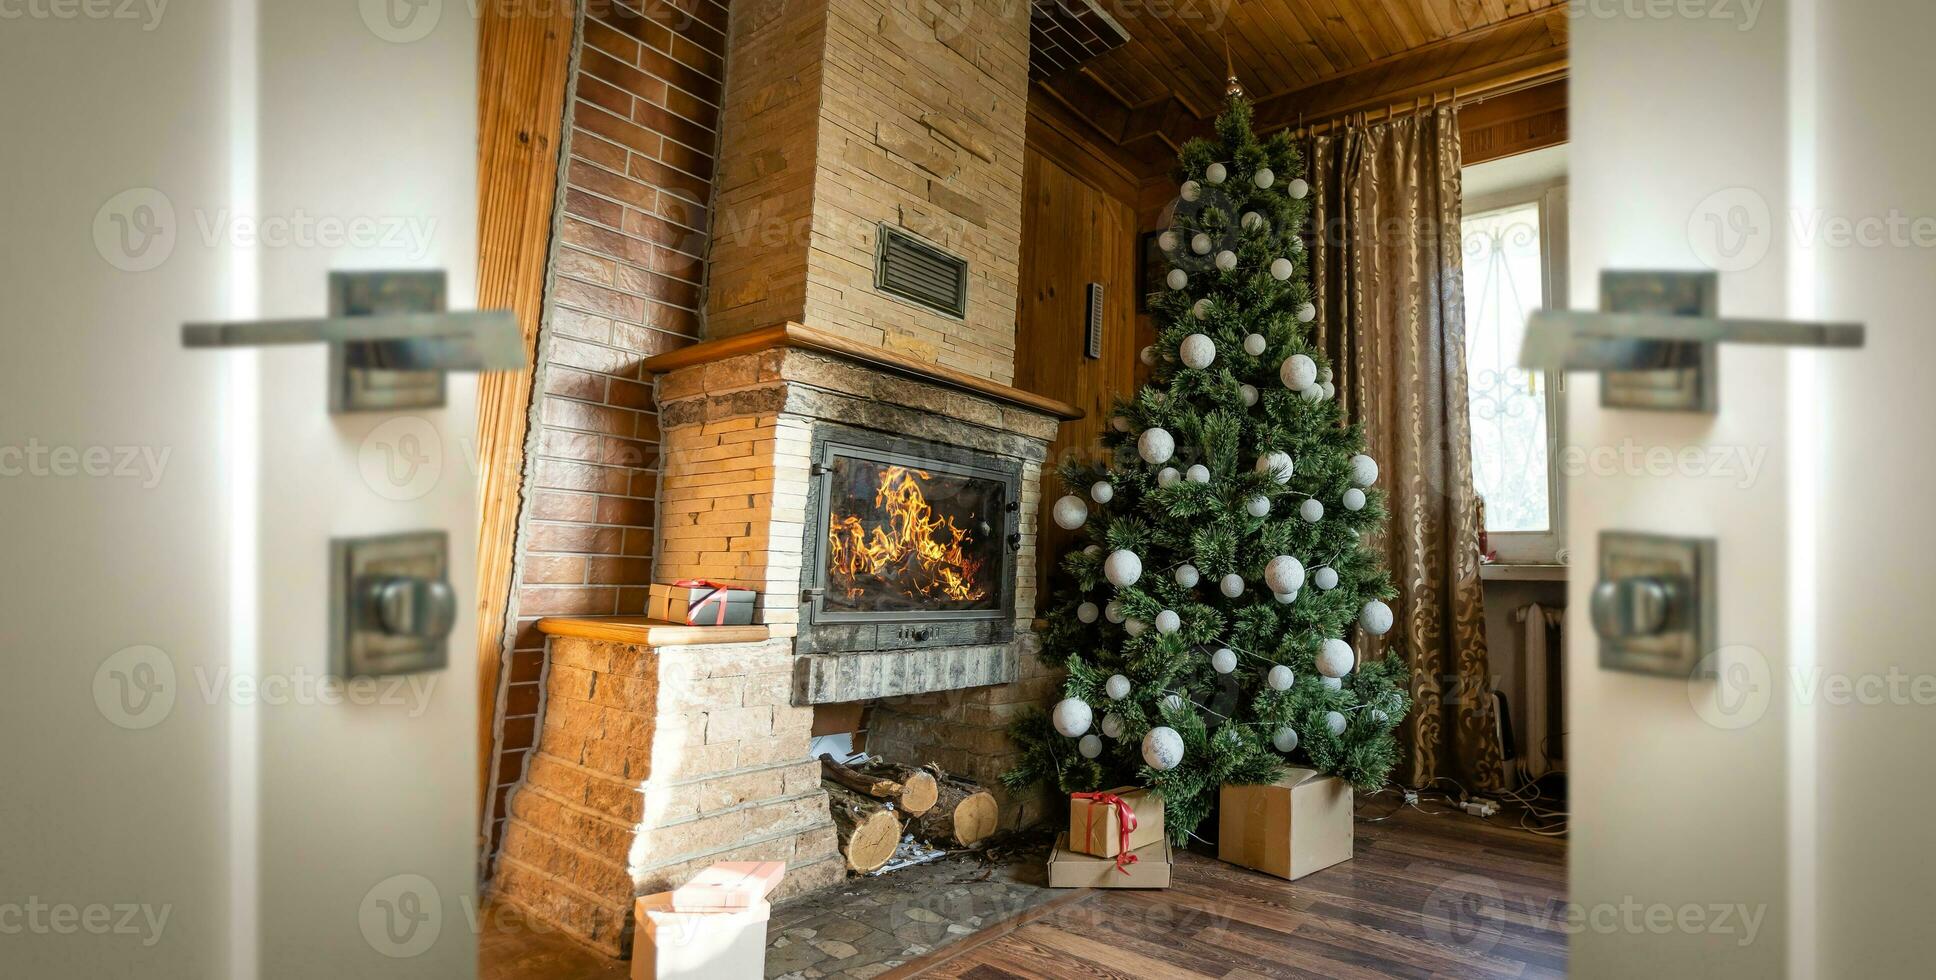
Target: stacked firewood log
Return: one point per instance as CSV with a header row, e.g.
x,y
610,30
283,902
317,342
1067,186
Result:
x,y
875,802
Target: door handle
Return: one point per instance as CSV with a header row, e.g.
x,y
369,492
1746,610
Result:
x,y
1641,606
1654,343
409,606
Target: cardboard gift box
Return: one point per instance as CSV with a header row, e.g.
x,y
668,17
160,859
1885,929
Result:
x,y
1299,824
696,602
1146,867
729,886
673,945
1097,821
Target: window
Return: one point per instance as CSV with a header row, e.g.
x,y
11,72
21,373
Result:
x,y
1514,246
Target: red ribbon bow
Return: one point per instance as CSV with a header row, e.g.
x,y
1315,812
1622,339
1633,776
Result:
x,y
717,596
1125,825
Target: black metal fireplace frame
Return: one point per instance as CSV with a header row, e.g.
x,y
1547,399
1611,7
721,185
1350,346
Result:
x,y
825,631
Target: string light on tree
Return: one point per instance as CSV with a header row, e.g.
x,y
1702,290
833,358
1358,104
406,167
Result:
x,y
1168,622
1224,660
1257,505
1215,174
1173,702
1263,178
1090,746
1227,260
1281,269
1284,740
1326,578
1251,221
1297,188
1200,243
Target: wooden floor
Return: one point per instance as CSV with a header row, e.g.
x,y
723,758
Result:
x,y
1426,896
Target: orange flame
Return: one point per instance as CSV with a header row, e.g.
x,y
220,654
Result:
x,y
915,553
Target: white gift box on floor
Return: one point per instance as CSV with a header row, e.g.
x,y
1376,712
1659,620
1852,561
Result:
x,y
673,945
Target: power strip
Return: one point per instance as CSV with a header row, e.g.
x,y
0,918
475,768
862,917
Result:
x,y
1479,807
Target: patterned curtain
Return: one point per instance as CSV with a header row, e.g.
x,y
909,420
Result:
x,y
1386,265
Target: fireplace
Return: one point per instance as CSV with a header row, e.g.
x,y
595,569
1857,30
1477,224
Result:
x,y
908,544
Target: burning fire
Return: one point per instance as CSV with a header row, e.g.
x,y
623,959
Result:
x,y
914,552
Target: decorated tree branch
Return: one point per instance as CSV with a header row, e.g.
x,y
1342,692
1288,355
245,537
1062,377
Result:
x,y
1207,624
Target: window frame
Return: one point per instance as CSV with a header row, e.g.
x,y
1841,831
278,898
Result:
x,y
1548,546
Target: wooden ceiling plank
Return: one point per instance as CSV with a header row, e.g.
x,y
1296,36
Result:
x,y
1402,16
1262,61
1300,26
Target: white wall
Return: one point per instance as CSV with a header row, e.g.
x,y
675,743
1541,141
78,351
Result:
x,y
1878,845
261,829
1669,808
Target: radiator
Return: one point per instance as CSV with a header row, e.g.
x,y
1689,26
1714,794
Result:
x,y
1543,705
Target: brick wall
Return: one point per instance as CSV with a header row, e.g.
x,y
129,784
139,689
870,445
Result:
x,y
846,114
627,282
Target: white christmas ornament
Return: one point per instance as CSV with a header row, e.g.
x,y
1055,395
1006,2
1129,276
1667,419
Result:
x,y
1326,578
1364,470
1336,658
1072,716
1134,626
1087,612
1215,174
1177,279
1198,310
1113,611
1376,618
1284,739
1117,687
1168,622
1102,491
1070,512
1324,375
1312,394
1354,499
1162,748
1280,678
1094,549
1257,506
1167,476
1254,344
1298,372
1248,393
1330,390
1231,585
1200,243
1090,746
1122,568
1263,178
1285,598
1155,446
1112,724
1147,355
1226,260
1278,464
1306,313
1224,660
1186,575
1284,574
1119,423
1173,702
1332,683
1252,221
1197,351
1166,241
1297,188
1197,473
1334,722
1281,269
1311,510
1191,190
1379,716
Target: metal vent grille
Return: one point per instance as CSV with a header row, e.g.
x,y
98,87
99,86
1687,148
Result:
x,y
918,272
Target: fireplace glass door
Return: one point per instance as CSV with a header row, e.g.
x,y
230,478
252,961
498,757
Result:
x,y
906,536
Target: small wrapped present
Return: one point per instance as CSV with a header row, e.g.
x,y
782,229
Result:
x,y
1115,821
729,886
1147,867
698,602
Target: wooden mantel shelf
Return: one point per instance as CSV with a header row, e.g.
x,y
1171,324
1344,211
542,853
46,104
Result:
x,y
803,337
649,632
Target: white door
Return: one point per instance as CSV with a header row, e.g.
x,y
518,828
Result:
x,y
1762,824
186,791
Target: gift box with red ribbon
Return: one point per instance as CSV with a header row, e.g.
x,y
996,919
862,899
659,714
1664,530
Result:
x,y
1115,822
700,602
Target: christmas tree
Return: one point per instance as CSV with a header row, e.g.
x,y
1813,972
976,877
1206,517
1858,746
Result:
x,y
1206,627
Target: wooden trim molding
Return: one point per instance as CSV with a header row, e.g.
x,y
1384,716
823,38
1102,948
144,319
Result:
x,y
802,337
650,632
522,59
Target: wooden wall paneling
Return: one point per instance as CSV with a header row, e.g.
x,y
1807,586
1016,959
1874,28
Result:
x,y
1529,119
522,57
1073,233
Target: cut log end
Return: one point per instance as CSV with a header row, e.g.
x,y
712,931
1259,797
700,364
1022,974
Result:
x,y
867,829
919,793
975,819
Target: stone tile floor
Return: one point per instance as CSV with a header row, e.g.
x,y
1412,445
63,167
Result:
x,y
870,925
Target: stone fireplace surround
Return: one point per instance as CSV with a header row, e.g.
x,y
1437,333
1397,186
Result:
x,y
663,749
